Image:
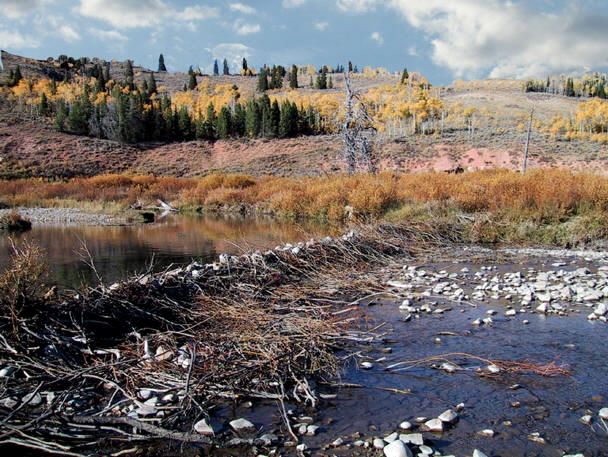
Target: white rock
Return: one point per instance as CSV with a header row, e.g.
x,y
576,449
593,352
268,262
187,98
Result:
x,y
601,309
426,450
144,394
366,365
542,308
397,449
203,428
32,399
448,416
511,312
392,437
412,438
478,453
337,442
8,402
603,413
163,353
586,419
434,425
378,443
493,369
146,410
311,430
242,425
405,425
487,432
301,448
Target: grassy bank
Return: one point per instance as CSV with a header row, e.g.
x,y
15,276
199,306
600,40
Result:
x,y
544,206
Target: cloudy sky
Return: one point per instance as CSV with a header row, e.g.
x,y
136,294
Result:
x,y
444,39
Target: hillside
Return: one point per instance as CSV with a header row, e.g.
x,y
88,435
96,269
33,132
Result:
x,y
485,127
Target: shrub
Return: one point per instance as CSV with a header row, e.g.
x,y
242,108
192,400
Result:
x,y
14,222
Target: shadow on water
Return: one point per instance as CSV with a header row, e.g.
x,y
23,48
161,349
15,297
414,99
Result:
x,y
178,239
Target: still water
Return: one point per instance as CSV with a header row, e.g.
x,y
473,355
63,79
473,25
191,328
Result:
x,y
120,251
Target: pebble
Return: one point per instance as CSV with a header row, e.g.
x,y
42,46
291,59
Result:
x,y
146,410
378,443
603,413
337,442
32,399
536,438
586,419
242,426
487,432
392,437
434,425
397,449
366,365
478,453
511,313
412,438
448,416
405,425
203,428
311,430
493,369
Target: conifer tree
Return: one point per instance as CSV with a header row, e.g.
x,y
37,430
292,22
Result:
x,y
252,119
245,66
238,120
210,122
161,63
404,76
263,80
216,68
185,124
43,106
192,82
152,89
226,68
275,119
224,123
129,76
293,79
350,66
61,115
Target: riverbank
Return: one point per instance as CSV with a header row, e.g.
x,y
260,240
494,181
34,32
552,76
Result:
x,y
267,351
550,207
71,216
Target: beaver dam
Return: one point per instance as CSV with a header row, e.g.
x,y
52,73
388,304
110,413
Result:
x,y
389,340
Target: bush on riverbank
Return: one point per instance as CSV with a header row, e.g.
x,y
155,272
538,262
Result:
x,y
14,222
549,206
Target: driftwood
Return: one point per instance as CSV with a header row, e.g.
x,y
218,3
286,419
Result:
x,y
81,367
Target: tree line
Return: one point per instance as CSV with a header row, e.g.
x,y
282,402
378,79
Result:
x,y
588,86
132,115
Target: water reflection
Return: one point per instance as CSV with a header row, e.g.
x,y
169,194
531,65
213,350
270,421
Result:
x,y
118,251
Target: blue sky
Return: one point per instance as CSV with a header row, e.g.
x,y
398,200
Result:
x,y
443,39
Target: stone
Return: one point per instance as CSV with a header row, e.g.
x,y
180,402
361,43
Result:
x,y
493,369
405,425
8,402
311,430
144,394
511,312
412,438
337,442
536,438
542,308
203,428
163,354
434,425
426,450
378,443
32,399
603,413
601,310
146,410
478,453
448,416
397,449
242,426
301,448
392,437
366,365
487,432
449,367
586,419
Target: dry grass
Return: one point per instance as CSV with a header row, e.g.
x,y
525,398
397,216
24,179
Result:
x,y
504,204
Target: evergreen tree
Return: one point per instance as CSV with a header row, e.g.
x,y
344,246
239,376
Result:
x,y
61,115
43,106
312,84
184,123
350,66
262,80
53,88
152,89
226,68
210,121
161,63
245,66
275,119
100,84
224,123
129,76
216,68
265,116
293,78
252,119
322,79
192,81
77,121
106,72
239,120
404,76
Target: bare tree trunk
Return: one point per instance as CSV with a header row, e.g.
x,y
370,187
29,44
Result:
x,y
527,149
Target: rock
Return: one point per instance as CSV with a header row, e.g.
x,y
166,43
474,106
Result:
x,y
242,426
32,399
6,372
203,428
337,442
460,407
449,367
448,416
366,365
542,308
526,322
487,432
586,419
412,438
163,353
405,425
311,430
478,453
511,313
426,450
603,413
301,448
434,425
268,439
397,449
378,443
8,402
601,310
144,394
493,369
536,438
392,437
146,410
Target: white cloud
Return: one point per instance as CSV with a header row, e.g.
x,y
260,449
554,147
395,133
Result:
x,y
108,35
293,3
322,26
375,36
18,8
142,13
242,8
412,51
501,38
15,40
357,6
243,28
232,52
68,33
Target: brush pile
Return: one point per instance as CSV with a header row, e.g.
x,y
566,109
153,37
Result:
x,y
150,357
